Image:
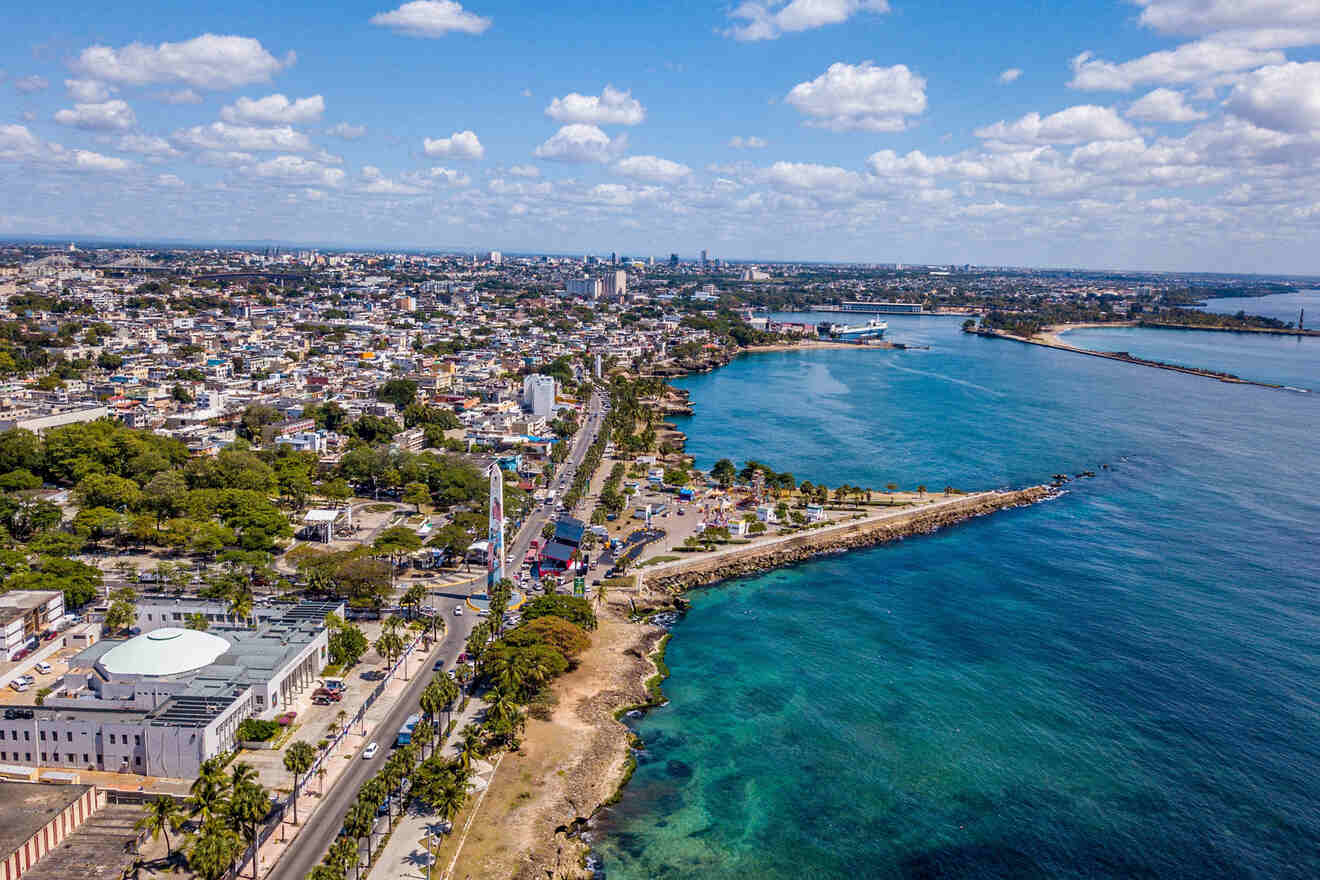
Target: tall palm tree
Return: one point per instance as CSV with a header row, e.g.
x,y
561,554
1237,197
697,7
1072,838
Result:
x,y
358,825
601,592
298,760
325,871
208,793
163,816
242,774
432,698
470,746
343,852
214,850
241,601
247,808
320,778
423,734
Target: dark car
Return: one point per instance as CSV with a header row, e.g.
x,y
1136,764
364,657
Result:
x,y
48,635
437,665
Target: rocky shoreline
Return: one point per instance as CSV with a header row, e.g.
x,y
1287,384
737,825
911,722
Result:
x,y
680,576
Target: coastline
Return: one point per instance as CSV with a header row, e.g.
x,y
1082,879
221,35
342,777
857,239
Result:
x,y
1048,337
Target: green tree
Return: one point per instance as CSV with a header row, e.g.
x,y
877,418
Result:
x,y
121,616
400,392
298,758
214,850
162,817
197,621
416,494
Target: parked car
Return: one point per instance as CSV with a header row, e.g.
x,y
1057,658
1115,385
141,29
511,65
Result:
x,y
23,652
437,665
370,751
48,635
458,610
321,701
19,686
42,667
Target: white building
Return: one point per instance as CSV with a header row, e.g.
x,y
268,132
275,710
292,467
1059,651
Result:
x,y
539,395
25,615
495,258
615,284
587,288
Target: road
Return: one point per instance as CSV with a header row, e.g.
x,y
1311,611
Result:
x,y
316,836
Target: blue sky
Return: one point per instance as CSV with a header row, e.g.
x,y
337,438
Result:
x,y
1163,134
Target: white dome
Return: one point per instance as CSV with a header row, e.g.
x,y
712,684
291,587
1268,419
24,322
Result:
x,y
165,651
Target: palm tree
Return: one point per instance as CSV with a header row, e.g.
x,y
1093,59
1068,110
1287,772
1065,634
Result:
x,y
247,808
298,760
214,850
600,594
209,792
432,698
240,603
163,816
413,599
422,734
324,871
320,778
358,825
470,746
242,774
343,853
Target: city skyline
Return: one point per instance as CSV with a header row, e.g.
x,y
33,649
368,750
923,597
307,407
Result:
x,y
1162,135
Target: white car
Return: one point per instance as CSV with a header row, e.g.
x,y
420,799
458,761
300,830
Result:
x,y
42,667
458,610
370,751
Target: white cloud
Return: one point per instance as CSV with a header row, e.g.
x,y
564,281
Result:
x,y
88,91
651,168
347,131
297,170
771,19
613,194
19,144
738,142
275,110
431,18
375,182
581,143
223,136
887,163
1011,75
1163,105
449,177
1240,16
107,116
1283,98
459,145
861,96
173,181
181,96
812,177
1188,63
529,171
611,107
211,61
146,145
1085,122
27,85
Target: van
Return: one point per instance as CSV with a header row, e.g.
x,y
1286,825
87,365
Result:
x,y
42,667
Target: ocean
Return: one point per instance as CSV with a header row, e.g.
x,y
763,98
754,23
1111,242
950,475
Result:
x,y
1120,682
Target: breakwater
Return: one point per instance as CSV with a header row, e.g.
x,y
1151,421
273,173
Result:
x,y
854,534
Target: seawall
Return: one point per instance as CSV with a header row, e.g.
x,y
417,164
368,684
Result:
x,y
879,528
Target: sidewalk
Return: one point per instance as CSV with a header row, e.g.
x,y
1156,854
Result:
x,y
405,856
337,760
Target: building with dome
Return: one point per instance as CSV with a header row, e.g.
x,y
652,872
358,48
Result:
x,y
162,702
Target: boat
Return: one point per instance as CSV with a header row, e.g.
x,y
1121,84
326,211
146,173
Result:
x,y
872,329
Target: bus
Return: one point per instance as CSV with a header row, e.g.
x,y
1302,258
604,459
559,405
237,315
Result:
x,y
405,732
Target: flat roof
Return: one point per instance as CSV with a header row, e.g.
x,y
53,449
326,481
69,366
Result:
x,y
26,807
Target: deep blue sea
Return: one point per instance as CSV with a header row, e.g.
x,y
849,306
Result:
x,y
1283,306
1121,682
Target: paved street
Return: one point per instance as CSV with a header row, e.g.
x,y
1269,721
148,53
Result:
x,y
305,851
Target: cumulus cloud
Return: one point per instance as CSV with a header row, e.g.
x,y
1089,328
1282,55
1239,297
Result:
x,y
347,131
223,136
1282,98
173,181
738,142
1163,105
1085,122
275,110
581,143
1188,63
528,171
449,176
771,19
146,145
611,107
651,168
1236,16
27,85
296,170
107,116
87,91
375,182
861,97
211,61
431,18
19,144
1011,75
808,176
459,145
181,96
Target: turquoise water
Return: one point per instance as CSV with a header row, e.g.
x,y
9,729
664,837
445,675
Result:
x,y
1285,360
1120,682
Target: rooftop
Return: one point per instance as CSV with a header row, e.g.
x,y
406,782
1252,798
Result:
x,y
26,807
163,652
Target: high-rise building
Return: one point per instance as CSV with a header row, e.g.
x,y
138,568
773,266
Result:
x,y
495,258
588,288
539,395
614,258
673,261
615,284
704,258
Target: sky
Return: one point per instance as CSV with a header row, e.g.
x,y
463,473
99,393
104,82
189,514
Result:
x,y
1140,134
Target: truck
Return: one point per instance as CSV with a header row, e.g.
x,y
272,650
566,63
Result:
x,y
406,731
